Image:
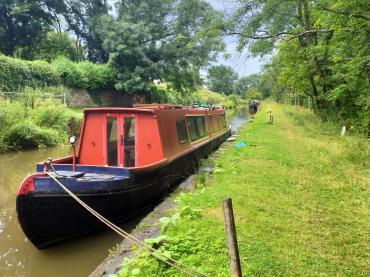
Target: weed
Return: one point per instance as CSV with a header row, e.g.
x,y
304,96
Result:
x,y
114,250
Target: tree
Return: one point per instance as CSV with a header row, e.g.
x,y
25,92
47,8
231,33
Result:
x,y
252,93
55,45
83,18
313,41
222,78
161,39
22,25
246,82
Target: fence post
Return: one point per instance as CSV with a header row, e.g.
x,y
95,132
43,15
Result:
x,y
231,242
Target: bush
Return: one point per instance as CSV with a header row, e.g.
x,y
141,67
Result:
x,y
232,101
42,74
164,93
74,125
50,116
70,74
84,75
57,118
99,76
252,94
16,74
46,125
57,44
26,134
10,113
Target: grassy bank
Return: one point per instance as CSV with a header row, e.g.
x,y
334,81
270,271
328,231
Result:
x,y
300,195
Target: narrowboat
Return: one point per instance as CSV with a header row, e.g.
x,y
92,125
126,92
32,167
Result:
x,y
126,159
253,106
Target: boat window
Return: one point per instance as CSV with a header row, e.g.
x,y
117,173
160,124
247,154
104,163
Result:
x,y
181,131
211,123
192,128
223,120
112,154
201,126
129,141
214,123
197,127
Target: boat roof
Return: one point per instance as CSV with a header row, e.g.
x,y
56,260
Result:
x,y
116,109
143,108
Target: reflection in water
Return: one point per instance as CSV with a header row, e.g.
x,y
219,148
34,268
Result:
x,y
18,257
237,118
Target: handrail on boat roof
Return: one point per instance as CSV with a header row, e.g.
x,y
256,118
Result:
x,y
158,106
151,108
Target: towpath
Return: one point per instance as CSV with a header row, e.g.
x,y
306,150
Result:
x,y
300,196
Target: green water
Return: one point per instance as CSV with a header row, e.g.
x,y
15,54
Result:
x,y
18,257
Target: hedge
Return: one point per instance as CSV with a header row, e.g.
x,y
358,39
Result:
x,y
84,75
15,74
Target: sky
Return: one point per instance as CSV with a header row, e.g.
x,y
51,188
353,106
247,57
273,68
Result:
x,y
242,63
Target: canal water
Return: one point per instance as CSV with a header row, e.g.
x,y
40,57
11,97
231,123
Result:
x,y
78,257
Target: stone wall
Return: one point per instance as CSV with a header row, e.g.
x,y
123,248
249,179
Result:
x,y
110,98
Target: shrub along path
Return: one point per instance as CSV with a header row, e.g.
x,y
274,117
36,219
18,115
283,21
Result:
x,y
300,199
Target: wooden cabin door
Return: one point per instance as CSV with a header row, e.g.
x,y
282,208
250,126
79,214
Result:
x,y
127,155
112,139
120,140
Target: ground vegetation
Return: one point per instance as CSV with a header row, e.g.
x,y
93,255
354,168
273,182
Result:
x,y
300,200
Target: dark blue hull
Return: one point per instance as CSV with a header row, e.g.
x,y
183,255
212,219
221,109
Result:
x,y
48,215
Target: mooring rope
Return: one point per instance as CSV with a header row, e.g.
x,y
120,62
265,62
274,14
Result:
x,y
155,253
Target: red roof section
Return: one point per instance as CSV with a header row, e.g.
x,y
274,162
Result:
x,y
116,109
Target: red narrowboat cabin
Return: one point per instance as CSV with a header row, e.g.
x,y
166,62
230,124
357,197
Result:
x,y
126,160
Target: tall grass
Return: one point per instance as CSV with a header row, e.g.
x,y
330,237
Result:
x,y
355,148
42,124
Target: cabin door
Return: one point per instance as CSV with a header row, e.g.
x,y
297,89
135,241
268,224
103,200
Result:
x,y
127,141
120,142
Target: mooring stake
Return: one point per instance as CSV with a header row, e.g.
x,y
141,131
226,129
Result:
x,y
231,242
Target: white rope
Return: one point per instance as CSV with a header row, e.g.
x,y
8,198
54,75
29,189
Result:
x,y
168,260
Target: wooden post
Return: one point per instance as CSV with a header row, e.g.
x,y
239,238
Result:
x,y
231,242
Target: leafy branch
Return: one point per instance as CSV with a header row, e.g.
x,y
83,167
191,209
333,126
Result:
x,y
345,13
